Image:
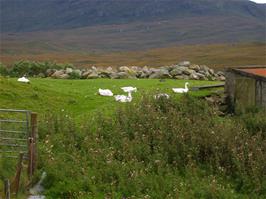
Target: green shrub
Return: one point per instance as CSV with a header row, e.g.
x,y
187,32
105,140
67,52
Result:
x,y
20,68
74,75
153,149
31,68
255,122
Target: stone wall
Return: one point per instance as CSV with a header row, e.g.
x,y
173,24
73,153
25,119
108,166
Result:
x,y
182,70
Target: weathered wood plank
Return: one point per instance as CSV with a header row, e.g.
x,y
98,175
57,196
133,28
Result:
x,y
195,88
245,95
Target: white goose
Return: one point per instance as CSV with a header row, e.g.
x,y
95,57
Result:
x,y
23,80
123,98
181,90
105,92
129,89
161,95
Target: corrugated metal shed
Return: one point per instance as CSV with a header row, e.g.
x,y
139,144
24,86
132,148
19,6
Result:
x,y
246,87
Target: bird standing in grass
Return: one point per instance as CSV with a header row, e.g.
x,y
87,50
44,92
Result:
x,y
181,90
23,80
123,98
105,92
129,89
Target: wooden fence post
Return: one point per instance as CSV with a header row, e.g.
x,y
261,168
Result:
x,y
7,189
16,182
32,146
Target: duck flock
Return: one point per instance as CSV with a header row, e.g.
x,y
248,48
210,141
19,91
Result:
x,y
128,90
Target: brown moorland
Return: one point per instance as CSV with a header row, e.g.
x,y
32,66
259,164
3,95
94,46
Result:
x,y
215,55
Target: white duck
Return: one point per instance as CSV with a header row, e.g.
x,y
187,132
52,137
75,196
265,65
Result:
x,y
123,98
105,92
181,90
129,89
23,80
161,95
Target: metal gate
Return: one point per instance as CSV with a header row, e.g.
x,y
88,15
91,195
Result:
x,y
18,130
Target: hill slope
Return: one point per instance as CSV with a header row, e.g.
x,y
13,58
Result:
x,y
36,27
30,15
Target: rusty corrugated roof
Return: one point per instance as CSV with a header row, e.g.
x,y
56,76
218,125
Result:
x,y
255,71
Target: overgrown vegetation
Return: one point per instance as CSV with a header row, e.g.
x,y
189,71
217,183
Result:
x,y
92,147
31,68
162,149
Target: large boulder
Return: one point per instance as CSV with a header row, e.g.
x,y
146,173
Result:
x,y
85,74
204,68
194,67
49,72
93,75
57,74
64,76
114,75
194,76
160,74
221,78
137,70
176,72
171,67
188,71
146,72
94,68
69,70
179,77
123,69
211,71
143,75
106,73
201,76
220,73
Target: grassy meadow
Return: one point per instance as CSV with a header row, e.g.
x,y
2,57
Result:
x,y
93,147
79,97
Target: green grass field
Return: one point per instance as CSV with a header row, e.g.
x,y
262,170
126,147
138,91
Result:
x,y
93,147
78,96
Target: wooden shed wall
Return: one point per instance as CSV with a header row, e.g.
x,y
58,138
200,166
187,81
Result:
x,y
261,93
245,92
